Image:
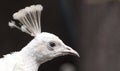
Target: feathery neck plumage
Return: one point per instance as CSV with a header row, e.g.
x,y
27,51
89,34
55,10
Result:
x,y
29,58
28,63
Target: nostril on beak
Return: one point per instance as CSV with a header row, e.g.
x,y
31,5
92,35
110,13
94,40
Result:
x,y
68,49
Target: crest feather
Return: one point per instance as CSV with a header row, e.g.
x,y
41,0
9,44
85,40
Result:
x,y
29,19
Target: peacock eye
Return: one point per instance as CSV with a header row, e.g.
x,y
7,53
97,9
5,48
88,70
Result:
x,y
52,44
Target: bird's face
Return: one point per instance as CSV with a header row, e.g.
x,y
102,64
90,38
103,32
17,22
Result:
x,y
50,46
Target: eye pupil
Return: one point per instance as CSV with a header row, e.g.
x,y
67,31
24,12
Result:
x,y
52,44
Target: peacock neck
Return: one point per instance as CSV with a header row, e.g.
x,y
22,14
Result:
x,y
28,60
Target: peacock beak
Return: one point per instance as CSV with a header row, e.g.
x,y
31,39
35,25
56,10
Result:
x,y
69,51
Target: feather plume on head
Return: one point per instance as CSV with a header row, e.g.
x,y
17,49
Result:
x,y
29,19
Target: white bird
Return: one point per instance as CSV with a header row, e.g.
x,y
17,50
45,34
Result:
x,y
44,47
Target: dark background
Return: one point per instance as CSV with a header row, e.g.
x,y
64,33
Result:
x,y
91,27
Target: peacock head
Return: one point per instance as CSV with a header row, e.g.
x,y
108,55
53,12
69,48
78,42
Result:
x,y
50,46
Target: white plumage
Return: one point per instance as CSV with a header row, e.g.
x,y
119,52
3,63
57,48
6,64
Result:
x,y
45,46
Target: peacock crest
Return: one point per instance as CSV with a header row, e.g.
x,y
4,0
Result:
x,y
29,18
